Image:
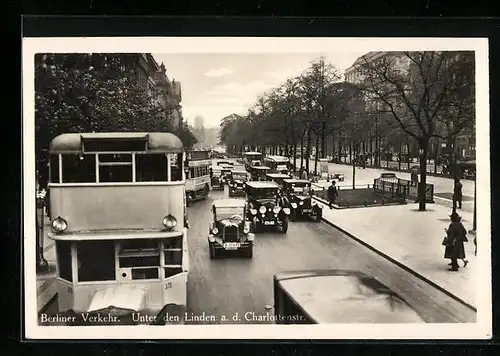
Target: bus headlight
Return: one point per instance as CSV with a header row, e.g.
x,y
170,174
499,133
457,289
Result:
x,y
286,211
250,237
246,228
313,203
262,209
276,209
169,222
253,211
294,205
59,224
215,231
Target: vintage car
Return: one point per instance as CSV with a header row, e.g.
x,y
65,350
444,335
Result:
x,y
299,195
265,206
225,174
224,163
215,178
230,230
338,176
258,172
236,183
277,178
338,297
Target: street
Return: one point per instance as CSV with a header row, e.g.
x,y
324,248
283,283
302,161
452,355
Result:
x,y
235,286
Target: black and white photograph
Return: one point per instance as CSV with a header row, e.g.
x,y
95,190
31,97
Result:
x,y
256,188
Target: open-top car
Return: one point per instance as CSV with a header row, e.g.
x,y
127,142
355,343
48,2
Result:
x,y
259,172
277,178
299,195
338,176
237,180
265,206
230,231
215,178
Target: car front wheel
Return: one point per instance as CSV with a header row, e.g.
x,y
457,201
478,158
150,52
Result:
x,y
248,252
211,251
284,227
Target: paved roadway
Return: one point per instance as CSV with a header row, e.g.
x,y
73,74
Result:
x,y
367,175
230,286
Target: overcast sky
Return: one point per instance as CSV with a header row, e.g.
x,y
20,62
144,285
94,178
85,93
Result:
x,y
217,85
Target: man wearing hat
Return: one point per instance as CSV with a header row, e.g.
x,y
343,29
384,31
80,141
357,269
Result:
x,y
456,236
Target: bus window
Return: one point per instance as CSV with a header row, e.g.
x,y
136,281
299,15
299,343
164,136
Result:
x,y
172,249
115,167
176,167
192,173
78,168
143,256
63,249
96,261
151,168
54,169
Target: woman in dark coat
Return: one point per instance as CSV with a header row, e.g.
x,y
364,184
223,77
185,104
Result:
x,y
456,236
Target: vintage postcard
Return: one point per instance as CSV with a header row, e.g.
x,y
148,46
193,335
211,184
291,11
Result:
x,y
256,188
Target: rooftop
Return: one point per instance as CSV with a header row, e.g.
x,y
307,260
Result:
x,y
262,185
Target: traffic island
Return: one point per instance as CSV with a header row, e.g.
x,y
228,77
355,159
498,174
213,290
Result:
x,y
359,198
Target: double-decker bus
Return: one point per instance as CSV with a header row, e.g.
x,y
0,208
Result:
x,y
278,164
198,175
252,159
118,215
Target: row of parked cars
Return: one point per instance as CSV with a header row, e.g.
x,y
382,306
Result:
x,y
269,204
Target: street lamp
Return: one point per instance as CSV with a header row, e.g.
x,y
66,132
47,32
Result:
x,y
41,263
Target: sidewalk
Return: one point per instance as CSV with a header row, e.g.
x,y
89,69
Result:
x,y
45,282
413,239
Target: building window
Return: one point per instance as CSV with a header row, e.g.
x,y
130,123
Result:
x,y
96,261
63,251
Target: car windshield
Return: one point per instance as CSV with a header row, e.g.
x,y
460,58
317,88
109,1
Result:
x,y
239,176
227,212
264,194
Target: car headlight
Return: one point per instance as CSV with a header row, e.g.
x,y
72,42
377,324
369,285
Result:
x,y
250,237
276,209
301,203
286,211
253,211
246,228
59,224
294,205
215,231
313,203
262,209
169,222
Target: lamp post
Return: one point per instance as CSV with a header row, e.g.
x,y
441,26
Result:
x,y
41,263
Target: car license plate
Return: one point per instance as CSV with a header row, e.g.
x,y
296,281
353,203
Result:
x,y
231,245
307,210
268,222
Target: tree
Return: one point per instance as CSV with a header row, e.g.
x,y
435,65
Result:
x,y
418,89
186,136
91,92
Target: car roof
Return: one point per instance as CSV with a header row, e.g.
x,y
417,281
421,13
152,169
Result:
x,y
291,181
229,203
279,158
277,175
254,153
262,168
242,171
345,296
260,184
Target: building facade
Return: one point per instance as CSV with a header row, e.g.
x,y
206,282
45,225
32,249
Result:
x,y
464,143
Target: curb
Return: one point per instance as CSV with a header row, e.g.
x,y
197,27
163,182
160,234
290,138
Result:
x,y
399,264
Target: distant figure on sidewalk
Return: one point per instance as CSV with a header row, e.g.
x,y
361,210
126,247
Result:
x,y
456,236
457,193
303,175
414,177
332,194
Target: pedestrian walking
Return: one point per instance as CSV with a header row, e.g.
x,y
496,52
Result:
x,y
457,194
414,177
332,194
454,242
303,174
